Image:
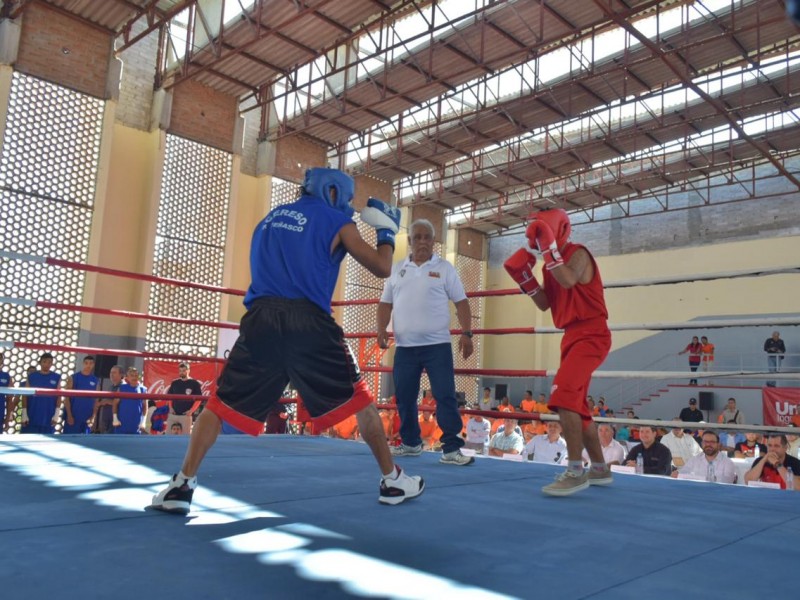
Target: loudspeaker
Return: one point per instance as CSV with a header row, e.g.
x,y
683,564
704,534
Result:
x,y
705,400
500,391
103,364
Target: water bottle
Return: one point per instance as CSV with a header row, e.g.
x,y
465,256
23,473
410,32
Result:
x,y
756,451
640,463
789,479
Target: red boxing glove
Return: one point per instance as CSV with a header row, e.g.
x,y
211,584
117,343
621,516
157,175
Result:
x,y
520,266
541,237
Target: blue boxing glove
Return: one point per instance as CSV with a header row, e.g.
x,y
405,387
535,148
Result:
x,y
384,218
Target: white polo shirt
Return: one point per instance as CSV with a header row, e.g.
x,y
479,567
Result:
x,y
420,297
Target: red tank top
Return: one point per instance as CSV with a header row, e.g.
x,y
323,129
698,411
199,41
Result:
x,y
582,302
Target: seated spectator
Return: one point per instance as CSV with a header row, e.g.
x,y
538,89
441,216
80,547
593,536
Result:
x,y
593,410
548,448
428,402
429,430
541,405
505,405
623,433
729,441
533,428
601,407
657,457
609,412
478,430
508,441
528,404
750,447
776,465
710,464
682,446
176,428
387,421
613,452
794,442
346,429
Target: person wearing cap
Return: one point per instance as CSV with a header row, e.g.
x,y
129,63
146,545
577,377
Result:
x,y
180,411
41,413
691,414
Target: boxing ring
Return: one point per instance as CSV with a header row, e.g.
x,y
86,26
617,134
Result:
x,y
283,516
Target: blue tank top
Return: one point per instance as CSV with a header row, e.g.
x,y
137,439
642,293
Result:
x,y
83,407
5,379
130,410
290,255
41,408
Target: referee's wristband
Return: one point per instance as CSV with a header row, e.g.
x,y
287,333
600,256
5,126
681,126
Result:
x,y
467,333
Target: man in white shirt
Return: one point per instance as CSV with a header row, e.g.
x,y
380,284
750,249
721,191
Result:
x,y
478,430
416,298
507,441
613,451
710,464
682,446
549,447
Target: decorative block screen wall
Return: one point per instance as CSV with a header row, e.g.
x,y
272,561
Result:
x,y
48,176
190,245
473,276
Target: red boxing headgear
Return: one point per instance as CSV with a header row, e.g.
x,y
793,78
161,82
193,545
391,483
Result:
x,y
558,220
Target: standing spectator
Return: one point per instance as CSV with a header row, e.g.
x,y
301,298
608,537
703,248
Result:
x,y
180,411
416,298
573,292
7,405
78,410
103,412
549,447
776,466
707,357
681,446
691,414
131,412
477,433
775,349
695,350
731,414
41,413
507,441
656,456
613,451
710,464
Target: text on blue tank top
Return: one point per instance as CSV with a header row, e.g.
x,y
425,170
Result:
x,y
84,382
290,255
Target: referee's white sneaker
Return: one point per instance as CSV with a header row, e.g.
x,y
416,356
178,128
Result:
x,y
403,450
456,458
405,487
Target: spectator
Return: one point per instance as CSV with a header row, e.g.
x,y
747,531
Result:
x,y
507,441
691,414
710,464
794,442
776,466
505,405
541,405
41,413
623,433
477,433
176,429
78,410
731,414
775,349
429,430
427,402
416,298
528,404
548,448
657,457
602,411
592,407
613,451
695,350
7,405
180,411
486,401
707,357
681,446
346,429
131,412
530,429
750,447
278,419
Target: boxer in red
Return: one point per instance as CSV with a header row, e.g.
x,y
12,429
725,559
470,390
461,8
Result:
x,y
573,292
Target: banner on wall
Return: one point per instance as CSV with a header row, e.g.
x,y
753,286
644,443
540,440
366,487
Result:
x,y
780,405
158,374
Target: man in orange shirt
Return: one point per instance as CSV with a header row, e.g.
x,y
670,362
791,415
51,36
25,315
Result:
x,y
541,405
428,402
429,429
346,429
528,404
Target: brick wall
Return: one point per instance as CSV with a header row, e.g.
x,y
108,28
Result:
x,y
204,115
471,243
370,187
64,50
294,154
138,77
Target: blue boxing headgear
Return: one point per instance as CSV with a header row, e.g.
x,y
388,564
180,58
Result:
x,y
319,181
